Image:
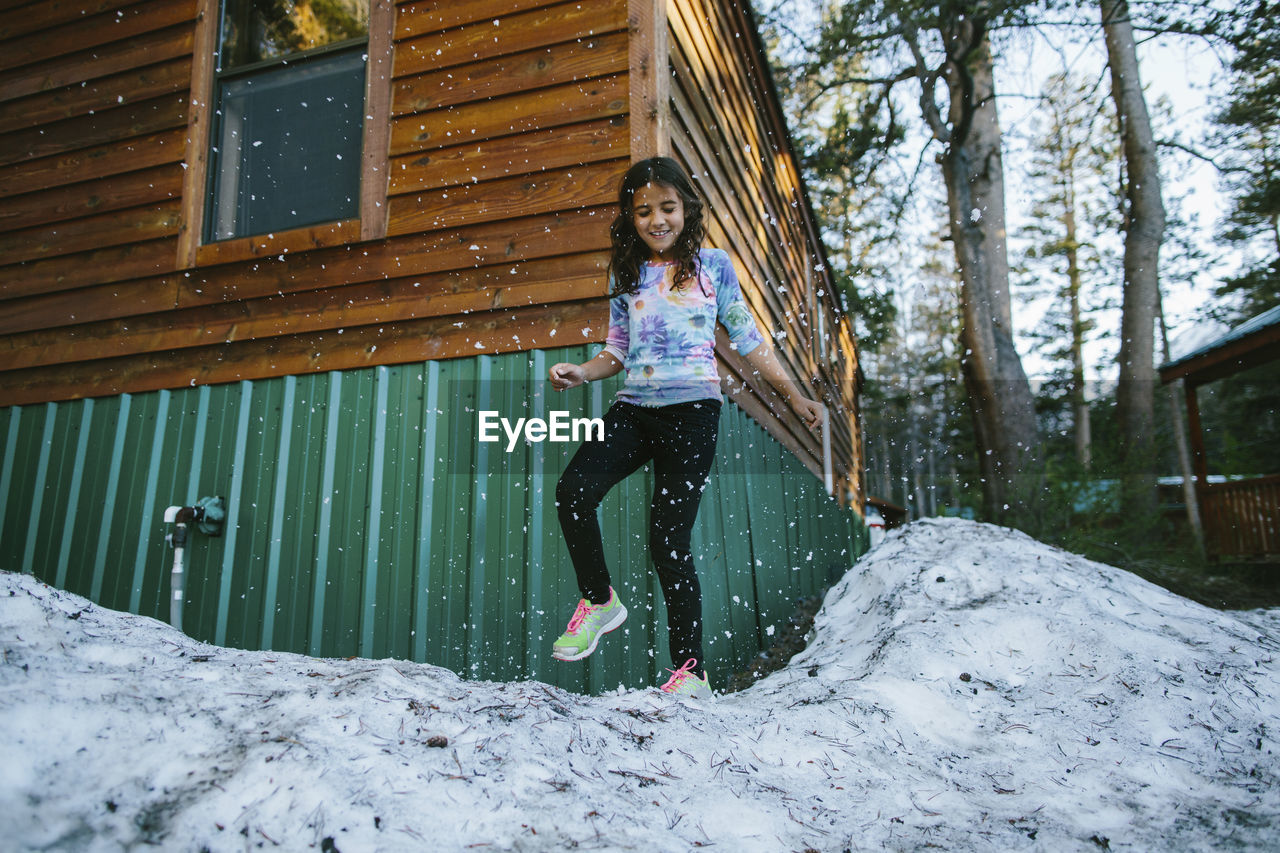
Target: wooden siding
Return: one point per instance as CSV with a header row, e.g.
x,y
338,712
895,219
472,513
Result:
x,y
727,128
503,134
490,168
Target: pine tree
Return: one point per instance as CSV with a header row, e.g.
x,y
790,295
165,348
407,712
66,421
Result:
x,y
1248,138
919,449
1072,159
844,144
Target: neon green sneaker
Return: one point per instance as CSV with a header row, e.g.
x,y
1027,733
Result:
x,y
590,622
685,682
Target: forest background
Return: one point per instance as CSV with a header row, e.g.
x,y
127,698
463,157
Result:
x,y
1023,228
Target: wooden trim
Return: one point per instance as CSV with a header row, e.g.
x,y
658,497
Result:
x,y
197,141
1261,347
374,169
531,236
117,228
109,283
52,312
279,242
375,165
649,79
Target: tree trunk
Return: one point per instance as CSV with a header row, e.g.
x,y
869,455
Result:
x,y
933,481
886,462
999,394
1079,396
1144,230
1177,398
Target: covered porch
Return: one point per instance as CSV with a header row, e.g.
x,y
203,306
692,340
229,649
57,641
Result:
x,y
1241,516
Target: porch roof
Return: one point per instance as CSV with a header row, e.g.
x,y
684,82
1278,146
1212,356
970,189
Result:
x,y
1255,341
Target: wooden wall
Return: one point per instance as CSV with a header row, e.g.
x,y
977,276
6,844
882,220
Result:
x,y
493,149
506,127
727,128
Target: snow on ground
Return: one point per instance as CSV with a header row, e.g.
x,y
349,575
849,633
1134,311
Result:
x,y
967,687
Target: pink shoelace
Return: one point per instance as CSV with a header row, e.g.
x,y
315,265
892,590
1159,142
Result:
x,y
585,609
679,675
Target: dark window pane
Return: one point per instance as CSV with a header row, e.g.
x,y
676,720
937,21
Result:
x,y
287,149
258,30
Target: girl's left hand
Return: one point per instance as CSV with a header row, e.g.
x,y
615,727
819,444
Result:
x,y
810,411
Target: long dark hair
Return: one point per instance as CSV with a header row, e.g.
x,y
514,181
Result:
x,y
629,251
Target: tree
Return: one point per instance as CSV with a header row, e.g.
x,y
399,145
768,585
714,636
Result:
x,y
1249,138
1071,158
945,49
1144,222
913,405
843,144
257,29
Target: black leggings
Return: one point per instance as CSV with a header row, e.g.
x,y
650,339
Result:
x,y
681,441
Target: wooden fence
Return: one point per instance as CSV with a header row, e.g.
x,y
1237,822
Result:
x,y
1242,517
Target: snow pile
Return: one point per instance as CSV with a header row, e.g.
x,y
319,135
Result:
x,y
966,687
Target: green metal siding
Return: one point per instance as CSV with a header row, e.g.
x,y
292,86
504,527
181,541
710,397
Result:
x,y
365,518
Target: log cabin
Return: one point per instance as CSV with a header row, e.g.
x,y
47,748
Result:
x,y
282,252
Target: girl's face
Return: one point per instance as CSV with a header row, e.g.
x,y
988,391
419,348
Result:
x,y
657,212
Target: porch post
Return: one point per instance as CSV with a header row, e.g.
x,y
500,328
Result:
x,y
1198,463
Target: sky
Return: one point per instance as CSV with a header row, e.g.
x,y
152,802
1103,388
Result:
x,y
964,687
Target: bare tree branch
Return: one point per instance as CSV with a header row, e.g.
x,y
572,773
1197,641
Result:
x,y
886,82
1199,155
928,81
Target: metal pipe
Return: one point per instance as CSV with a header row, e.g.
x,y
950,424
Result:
x,y
177,577
209,515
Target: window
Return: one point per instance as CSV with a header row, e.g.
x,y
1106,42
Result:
x,y
289,105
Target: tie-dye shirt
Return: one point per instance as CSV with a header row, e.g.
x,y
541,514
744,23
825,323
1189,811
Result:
x,y
665,337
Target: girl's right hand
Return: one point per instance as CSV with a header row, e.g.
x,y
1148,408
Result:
x,y
565,376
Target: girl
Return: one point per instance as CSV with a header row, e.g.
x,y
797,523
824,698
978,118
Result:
x,y
667,294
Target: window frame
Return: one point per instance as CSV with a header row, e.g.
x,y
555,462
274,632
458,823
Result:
x,y
370,224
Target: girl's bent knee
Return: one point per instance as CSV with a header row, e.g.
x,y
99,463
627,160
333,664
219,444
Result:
x,y
576,494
